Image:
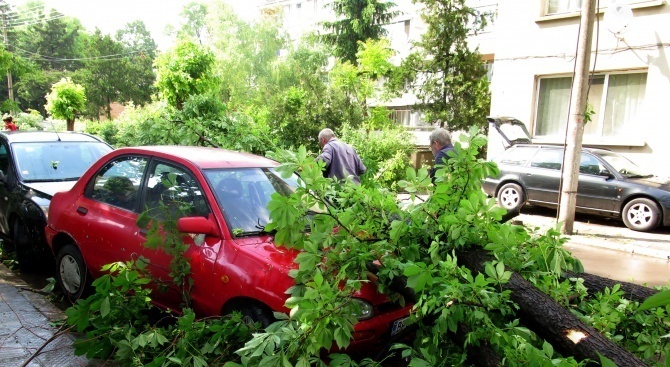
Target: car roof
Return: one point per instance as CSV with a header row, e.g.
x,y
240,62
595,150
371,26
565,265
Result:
x,y
203,157
46,136
587,149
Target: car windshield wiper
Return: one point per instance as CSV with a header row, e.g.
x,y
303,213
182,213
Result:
x,y
639,176
51,179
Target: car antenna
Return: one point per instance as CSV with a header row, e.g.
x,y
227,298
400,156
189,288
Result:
x,y
55,131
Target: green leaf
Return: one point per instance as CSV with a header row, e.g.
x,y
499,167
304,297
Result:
x,y
658,299
104,307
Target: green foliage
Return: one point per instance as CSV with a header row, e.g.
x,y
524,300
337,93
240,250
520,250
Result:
x,y
448,78
359,21
385,152
118,321
66,100
184,71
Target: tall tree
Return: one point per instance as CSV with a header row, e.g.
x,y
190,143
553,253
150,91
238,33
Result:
x,y
359,20
183,72
196,27
66,101
105,75
52,40
447,76
140,49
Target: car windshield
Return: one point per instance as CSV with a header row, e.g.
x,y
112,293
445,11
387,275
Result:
x,y
623,165
57,160
244,193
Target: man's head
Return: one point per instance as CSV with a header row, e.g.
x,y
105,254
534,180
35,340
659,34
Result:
x,y
438,139
7,119
325,135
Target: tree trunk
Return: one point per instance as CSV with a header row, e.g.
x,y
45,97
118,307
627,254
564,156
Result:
x,y
595,284
551,321
70,124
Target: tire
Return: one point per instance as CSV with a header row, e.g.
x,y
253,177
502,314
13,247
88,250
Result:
x,y
641,214
511,197
71,273
24,247
254,314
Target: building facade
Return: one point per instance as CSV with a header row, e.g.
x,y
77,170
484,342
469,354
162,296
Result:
x,y
534,49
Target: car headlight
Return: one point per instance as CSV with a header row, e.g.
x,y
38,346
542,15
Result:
x,y
361,310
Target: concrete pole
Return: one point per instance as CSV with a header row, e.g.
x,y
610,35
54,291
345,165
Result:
x,y
575,132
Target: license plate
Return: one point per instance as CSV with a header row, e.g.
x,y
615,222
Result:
x,y
399,325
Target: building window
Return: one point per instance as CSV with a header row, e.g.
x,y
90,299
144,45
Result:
x,y
406,117
614,99
563,6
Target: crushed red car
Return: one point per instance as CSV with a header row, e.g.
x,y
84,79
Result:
x,y
235,265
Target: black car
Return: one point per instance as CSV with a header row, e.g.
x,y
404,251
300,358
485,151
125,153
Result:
x,y
33,167
609,184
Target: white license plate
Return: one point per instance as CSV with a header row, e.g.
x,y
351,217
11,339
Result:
x,y
399,325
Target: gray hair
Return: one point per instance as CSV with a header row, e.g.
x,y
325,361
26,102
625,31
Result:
x,y
441,136
326,134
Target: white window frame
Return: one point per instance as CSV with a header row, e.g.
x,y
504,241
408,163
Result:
x,y
598,135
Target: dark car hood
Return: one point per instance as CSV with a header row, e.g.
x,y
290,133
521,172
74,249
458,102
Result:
x,y
657,182
50,188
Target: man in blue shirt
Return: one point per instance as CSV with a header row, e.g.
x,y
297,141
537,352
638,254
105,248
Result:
x,y
440,145
341,159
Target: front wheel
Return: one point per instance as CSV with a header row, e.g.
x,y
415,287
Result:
x,y
254,314
641,214
72,274
511,197
23,247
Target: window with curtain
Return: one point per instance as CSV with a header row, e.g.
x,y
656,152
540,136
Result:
x,y
562,6
614,99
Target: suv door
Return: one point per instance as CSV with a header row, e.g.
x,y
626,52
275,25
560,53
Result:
x,y
6,186
594,191
543,179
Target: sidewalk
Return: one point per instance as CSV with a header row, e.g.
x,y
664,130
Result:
x,y
26,323
603,233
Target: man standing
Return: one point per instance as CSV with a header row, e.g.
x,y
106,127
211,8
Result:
x,y
440,145
9,123
341,159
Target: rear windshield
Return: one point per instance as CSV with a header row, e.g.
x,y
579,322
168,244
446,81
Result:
x,y
56,161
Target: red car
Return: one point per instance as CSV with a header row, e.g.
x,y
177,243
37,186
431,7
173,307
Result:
x,y
234,264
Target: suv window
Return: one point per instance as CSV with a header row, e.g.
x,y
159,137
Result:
x,y
119,181
589,165
517,156
548,158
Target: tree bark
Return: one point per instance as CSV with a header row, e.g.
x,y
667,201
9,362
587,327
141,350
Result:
x,y
551,321
595,284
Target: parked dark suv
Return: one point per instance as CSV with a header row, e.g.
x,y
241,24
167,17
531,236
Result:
x,y
34,166
609,184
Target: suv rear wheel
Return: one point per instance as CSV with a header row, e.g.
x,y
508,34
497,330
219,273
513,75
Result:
x,y
641,214
511,197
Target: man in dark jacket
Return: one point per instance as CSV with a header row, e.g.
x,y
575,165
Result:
x,y
440,145
341,159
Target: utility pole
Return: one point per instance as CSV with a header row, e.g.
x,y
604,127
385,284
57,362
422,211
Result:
x,y
575,131
10,84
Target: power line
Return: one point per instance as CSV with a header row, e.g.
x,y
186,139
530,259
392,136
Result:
x,y
103,57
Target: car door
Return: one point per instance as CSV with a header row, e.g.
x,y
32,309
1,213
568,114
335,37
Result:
x,y
172,192
543,179
594,191
109,208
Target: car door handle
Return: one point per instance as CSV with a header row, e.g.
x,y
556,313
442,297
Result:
x,y
81,210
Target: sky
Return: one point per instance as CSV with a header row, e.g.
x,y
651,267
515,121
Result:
x,y
111,15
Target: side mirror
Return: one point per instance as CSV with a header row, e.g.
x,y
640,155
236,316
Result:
x,y
606,173
197,225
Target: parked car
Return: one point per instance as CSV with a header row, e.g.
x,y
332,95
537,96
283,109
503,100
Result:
x,y
235,265
33,166
609,184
